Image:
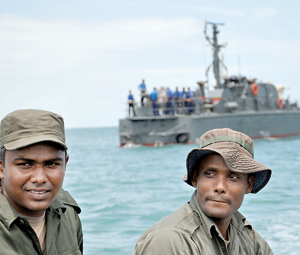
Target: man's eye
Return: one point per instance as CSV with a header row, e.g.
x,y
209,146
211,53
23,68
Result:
x,y
234,176
208,173
24,164
51,163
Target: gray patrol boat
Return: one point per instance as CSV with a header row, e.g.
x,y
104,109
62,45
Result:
x,y
257,109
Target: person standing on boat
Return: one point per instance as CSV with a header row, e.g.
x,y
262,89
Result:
x,y
153,97
183,93
37,216
189,101
130,103
177,98
170,103
222,170
190,92
143,90
188,104
183,96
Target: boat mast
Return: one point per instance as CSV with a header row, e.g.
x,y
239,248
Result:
x,y
216,49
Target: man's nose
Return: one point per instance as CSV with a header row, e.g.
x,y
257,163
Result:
x,y
220,185
39,175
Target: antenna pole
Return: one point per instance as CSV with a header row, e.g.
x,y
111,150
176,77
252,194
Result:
x,y
216,49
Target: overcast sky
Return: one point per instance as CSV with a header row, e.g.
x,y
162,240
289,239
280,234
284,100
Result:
x,y
80,58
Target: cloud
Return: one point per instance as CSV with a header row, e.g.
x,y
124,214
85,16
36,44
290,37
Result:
x,y
66,37
263,13
47,46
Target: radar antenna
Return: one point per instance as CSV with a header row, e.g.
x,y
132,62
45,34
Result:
x,y
216,48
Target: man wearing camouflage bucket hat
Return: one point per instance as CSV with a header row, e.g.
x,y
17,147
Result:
x,y
222,170
36,215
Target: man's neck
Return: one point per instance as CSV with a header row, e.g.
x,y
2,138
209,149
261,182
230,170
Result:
x,y
223,226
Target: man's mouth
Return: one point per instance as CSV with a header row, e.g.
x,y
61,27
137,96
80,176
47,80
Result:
x,y
217,200
38,192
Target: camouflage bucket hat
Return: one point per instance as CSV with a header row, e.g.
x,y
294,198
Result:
x,y
236,149
22,128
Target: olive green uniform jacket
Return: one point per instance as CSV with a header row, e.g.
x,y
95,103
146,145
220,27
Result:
x,y
189,231
63,236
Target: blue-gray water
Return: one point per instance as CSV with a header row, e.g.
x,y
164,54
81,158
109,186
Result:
x,y
122,192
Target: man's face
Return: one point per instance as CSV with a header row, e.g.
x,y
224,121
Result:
x,y
32,177
220,191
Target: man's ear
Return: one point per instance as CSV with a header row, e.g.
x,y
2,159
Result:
x,y
1,170
67,158
194,180
250,183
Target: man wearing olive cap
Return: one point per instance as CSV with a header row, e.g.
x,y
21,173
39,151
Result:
x,y
36,215
222,170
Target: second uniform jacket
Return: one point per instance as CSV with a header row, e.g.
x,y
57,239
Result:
x,y
189,231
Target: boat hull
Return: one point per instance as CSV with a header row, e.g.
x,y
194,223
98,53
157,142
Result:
x,y
161,130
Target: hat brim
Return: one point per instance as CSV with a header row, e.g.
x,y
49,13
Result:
x,y
20,143
236,160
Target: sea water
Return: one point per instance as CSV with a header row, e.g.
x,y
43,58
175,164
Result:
x,y
122,192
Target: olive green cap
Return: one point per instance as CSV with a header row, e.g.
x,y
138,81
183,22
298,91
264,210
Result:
x,y
22,128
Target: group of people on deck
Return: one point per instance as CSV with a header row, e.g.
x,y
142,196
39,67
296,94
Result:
x,y
173,101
